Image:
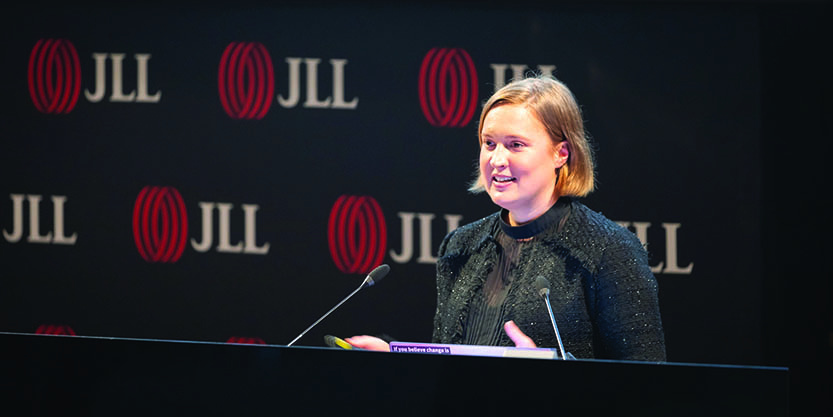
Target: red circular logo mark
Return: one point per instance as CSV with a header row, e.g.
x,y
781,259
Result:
x,y
448,87
160,224
55,329
246,80
245,340
357,234
54,76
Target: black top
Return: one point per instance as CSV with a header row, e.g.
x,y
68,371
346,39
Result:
x,y
485,322
602,291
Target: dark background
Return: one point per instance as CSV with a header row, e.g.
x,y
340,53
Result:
x,y
715,115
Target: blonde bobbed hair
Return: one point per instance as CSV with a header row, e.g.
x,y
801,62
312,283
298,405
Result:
x,y
555,107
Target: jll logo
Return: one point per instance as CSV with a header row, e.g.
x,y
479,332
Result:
x,y
160,224
448,87
357,234
56,236
448,90
246,80
54,76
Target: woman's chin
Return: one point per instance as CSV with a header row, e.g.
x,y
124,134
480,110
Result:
x,y
502,200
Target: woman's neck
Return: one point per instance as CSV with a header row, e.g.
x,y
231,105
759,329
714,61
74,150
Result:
x,y
518,218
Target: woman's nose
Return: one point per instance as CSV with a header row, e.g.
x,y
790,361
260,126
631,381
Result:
x,y
500,157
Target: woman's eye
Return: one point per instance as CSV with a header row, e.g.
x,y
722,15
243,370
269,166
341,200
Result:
x,y
518,145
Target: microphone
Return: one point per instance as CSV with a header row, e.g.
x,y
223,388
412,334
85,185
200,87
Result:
x,y
372,279
375,275
543,287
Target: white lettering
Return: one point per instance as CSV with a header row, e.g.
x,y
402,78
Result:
x,y
425,239
641,231
142,80
335,101
117,95
518,71
34,221
225,230
249,243
100,78
58,222
312,85
671,250
17,220
207,228
56,236
294,84
407,239
338,86
250,246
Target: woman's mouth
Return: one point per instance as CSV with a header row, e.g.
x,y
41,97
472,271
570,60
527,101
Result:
x,y
502,179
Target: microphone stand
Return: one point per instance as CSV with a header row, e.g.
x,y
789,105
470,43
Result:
x,y
366,281
372,278
554,327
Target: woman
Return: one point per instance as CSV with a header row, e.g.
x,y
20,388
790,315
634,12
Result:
x,y
534,160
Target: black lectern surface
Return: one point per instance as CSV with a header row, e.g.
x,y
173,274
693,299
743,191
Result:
x,y
54,375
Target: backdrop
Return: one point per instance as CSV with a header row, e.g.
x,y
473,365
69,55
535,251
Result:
x,y
231,173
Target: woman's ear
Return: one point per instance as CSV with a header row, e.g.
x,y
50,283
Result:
x,y
562,153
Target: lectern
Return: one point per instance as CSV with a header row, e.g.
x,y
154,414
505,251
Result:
x,y
89,376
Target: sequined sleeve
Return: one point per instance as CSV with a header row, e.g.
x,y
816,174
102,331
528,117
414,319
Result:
x,y
626,302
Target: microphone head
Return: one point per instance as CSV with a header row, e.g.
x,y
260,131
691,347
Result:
x,y
542,285
377,274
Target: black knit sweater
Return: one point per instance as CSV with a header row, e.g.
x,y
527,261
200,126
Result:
x,y
603,294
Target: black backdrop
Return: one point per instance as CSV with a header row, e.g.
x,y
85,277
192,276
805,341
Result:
x,y
707,119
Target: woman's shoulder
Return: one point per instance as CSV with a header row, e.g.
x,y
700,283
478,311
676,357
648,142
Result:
x,y
479,225
468,235
594,219
595,225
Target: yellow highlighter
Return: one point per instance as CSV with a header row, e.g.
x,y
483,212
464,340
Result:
x,y
337,342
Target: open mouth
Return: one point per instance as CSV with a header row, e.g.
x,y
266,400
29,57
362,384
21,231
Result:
x,y
500,179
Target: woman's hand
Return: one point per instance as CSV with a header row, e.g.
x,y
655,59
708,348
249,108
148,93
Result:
x,y
517,336
368,343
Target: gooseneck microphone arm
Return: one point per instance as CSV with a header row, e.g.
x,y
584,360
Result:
x,y
372,278
544,290
325,315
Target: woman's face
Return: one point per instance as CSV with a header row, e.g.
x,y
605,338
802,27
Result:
x,y
518,162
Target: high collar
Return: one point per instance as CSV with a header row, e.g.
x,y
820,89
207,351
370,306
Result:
x,y
543,222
